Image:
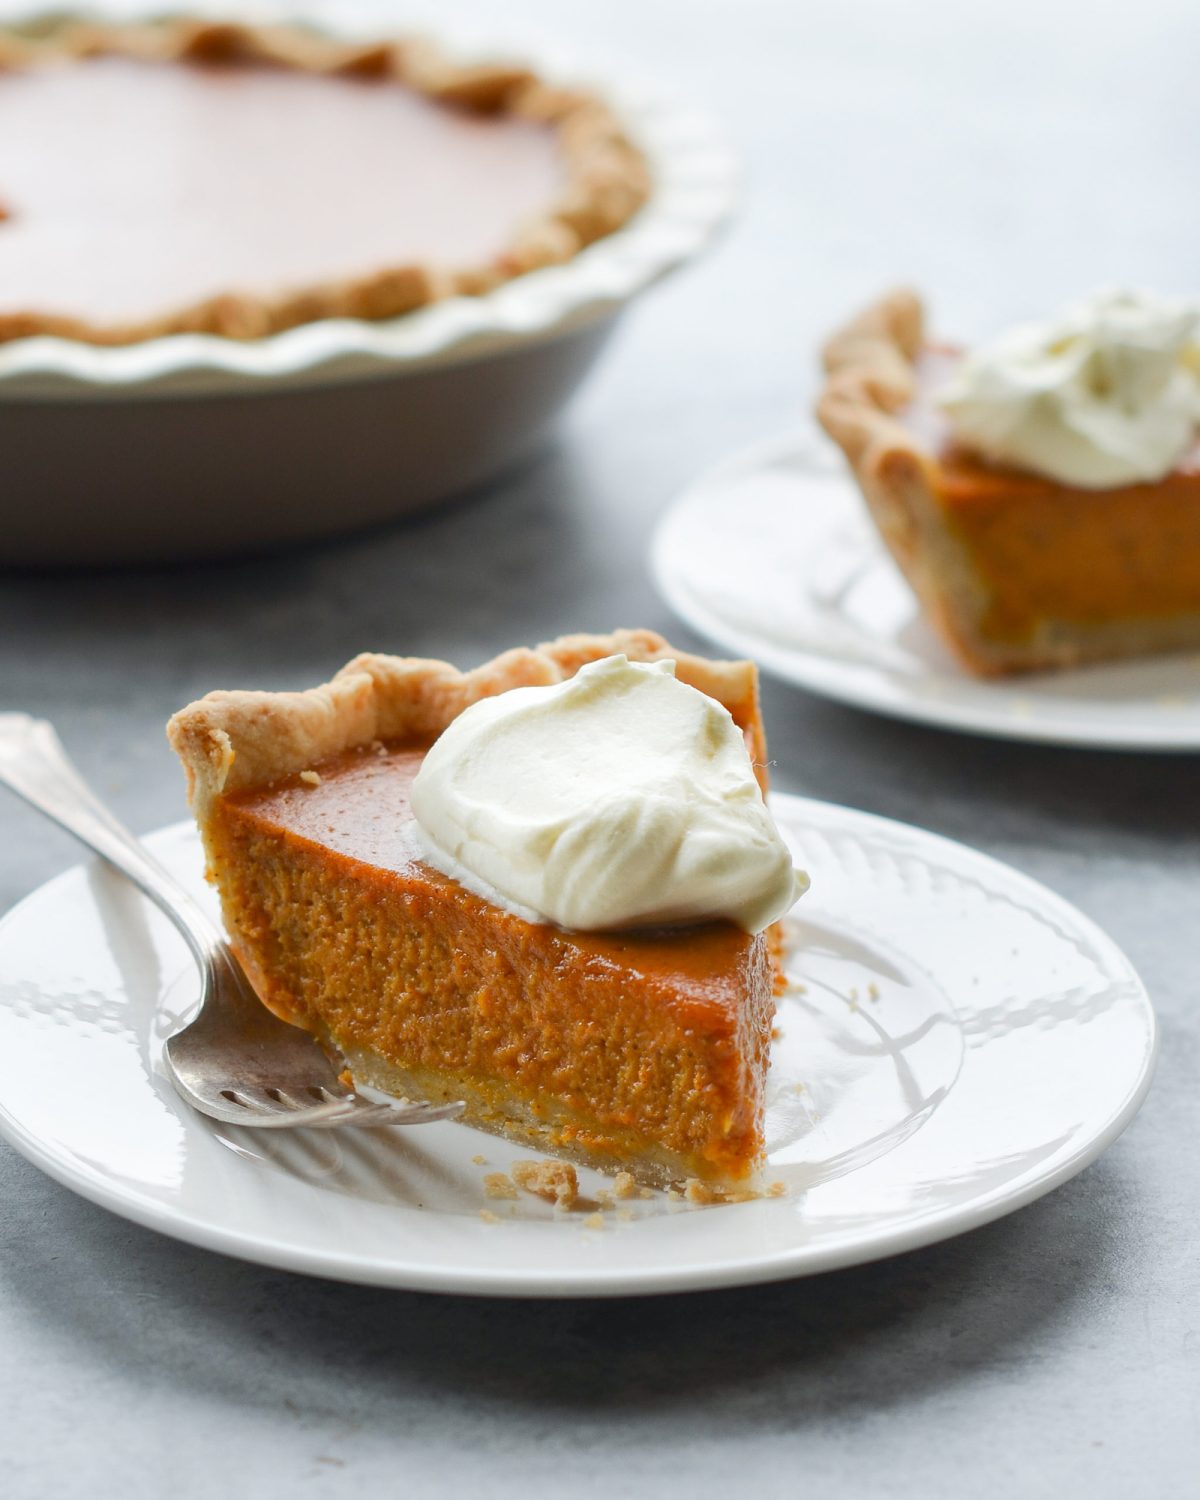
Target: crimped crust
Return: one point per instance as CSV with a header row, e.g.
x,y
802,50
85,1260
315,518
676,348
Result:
x,y
607,176
536,1125
871,369
231,741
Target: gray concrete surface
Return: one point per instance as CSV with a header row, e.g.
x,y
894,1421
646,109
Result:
x,y
1003,157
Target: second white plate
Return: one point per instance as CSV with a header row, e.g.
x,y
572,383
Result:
x,y
772,556
957,1041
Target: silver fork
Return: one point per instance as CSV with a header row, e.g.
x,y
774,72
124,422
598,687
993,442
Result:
x,y
235,1061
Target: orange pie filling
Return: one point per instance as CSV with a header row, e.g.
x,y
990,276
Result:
x,y
640,1050
1042,550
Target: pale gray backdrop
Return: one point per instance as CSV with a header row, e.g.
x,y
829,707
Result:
x,y
1003,157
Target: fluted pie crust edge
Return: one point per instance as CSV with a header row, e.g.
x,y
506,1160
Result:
x,y
607,177
232,741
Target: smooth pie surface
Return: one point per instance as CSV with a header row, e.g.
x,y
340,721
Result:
x,y
129,189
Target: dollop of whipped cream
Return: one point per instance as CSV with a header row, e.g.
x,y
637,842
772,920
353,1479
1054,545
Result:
x,y
1106,393
619,798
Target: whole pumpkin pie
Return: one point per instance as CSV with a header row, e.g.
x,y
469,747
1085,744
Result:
x,y
186,176
1083,549
639,1049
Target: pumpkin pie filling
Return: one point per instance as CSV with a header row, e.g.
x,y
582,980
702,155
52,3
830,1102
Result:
x,y
1047,549
639,1050
160,202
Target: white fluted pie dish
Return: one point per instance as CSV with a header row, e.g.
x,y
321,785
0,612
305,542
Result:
x,y
193,445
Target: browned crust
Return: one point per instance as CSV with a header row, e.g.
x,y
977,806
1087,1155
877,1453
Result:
x,y
871,374
231,741
608,178
870,377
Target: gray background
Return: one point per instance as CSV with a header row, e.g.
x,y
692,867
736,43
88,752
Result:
x,y
1003,158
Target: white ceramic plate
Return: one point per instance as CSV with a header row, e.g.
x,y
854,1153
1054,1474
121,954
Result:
x,y
772,556
963,1042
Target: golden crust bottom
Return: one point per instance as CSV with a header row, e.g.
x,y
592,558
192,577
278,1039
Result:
x,y
542,1128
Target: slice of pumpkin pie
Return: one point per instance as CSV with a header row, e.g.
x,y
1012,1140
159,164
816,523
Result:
x,y
546,887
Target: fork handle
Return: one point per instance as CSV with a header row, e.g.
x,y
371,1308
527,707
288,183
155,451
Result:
x,y
34,764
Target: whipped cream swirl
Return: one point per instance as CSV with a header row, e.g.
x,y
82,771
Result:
x,y
619,798
1107,393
